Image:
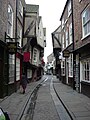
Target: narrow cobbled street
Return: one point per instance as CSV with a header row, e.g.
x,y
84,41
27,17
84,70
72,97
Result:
x,y
45,107
44,103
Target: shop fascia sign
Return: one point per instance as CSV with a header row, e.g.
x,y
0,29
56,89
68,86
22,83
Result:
x,y
66,53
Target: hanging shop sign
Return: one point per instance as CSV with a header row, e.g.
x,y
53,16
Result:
x,y
26,56
66,53
12,47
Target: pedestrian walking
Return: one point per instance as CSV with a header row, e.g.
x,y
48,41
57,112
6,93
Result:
x,y
23,82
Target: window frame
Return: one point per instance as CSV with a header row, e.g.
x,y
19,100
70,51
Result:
x,y
10,21
86,23
85,71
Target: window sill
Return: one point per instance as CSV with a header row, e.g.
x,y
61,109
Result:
x,y
85,36
11,82
85,82
71,76
63,75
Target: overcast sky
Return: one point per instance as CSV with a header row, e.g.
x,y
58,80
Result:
x,y
51,11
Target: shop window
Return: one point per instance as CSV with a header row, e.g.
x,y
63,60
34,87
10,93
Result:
x,y
86,70
17,69
11,68
71,65
63,68
86,22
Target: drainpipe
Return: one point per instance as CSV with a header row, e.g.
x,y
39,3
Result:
x,y
73,46
15,53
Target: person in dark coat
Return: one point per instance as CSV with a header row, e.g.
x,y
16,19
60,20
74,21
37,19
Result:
x,y
23,82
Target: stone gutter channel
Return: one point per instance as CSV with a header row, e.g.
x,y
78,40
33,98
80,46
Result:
x,y
28,109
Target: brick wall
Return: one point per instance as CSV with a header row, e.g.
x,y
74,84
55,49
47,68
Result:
x,y
78,8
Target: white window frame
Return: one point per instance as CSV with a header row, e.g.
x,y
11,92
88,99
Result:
x,y
35,55
20,8
86,22
69,8
71,65
10,21
70,33
85,70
